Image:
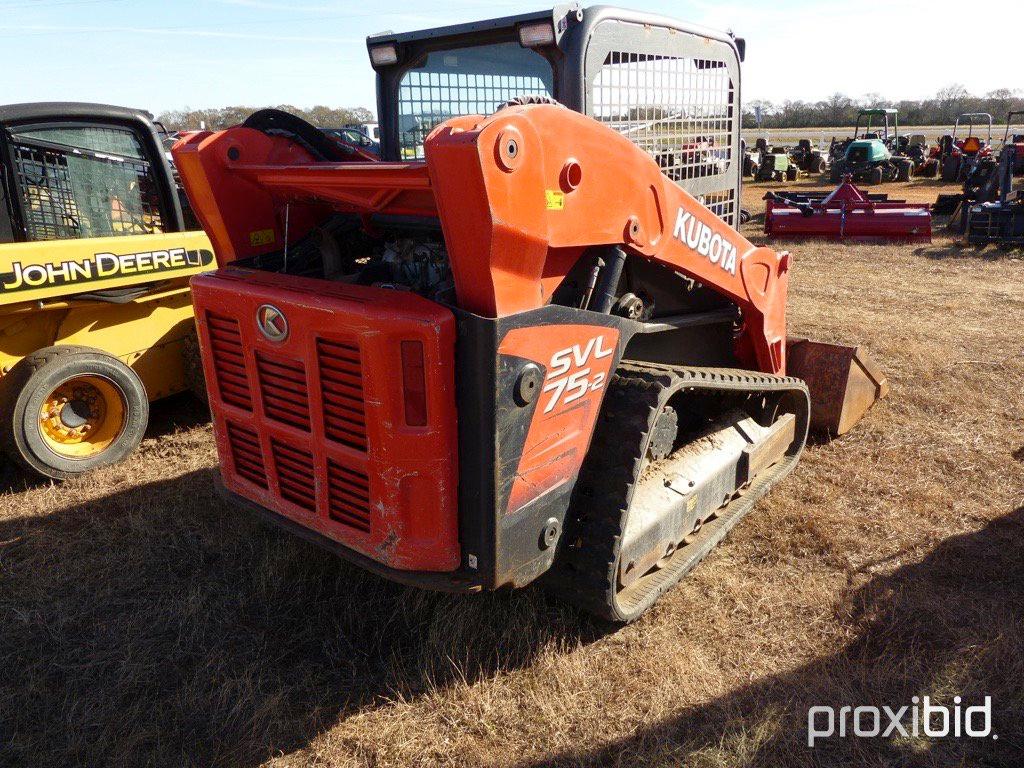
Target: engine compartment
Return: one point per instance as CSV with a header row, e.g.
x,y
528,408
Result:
x,y
409,254
383,252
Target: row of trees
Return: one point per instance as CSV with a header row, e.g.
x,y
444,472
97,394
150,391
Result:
x,y
840,110
837,111
224,117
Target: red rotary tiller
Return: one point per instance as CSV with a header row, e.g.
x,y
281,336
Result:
x,y
846,213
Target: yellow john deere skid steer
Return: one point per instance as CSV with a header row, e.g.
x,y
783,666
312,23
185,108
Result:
x,y
95,258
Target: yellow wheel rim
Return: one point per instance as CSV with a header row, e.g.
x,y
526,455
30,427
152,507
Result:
x,y
82,417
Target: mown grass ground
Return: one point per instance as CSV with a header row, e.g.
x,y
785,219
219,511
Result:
x,y
142,622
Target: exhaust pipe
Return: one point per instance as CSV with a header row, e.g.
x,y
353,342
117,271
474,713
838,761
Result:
x,y
844,382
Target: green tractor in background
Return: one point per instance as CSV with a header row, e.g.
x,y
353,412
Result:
x,y
767,163
870,158
777,167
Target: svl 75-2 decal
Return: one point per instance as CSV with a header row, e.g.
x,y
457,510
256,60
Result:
x,y
569,374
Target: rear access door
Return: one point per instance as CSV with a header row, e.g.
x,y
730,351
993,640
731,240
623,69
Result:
x,y
334,407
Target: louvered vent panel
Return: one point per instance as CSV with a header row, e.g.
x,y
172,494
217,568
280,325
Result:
x,y
283,390
229,361
295,474
246,454
341,383
349,496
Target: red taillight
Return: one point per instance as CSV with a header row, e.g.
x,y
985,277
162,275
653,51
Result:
x,y
414,384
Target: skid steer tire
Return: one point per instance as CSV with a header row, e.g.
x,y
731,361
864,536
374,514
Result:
x,y
950,170
68,410
192,362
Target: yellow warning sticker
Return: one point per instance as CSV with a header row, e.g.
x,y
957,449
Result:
x,y
555,199
261,237
691,504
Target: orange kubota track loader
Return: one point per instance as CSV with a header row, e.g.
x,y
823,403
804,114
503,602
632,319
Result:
x,y
532,352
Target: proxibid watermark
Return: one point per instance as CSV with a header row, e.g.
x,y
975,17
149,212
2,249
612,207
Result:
x,y
911,720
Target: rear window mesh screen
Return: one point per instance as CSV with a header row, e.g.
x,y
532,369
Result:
x,y
115,141
96,184
465,81
678,110
722,204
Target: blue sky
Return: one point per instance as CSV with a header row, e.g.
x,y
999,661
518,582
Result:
x,y
172,54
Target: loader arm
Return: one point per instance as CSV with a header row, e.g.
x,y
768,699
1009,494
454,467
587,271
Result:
x,y
541,176
520,195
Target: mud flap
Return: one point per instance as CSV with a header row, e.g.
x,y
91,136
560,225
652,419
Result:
x,y
844,382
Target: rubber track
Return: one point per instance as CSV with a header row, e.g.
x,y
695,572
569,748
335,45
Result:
x,y
586,571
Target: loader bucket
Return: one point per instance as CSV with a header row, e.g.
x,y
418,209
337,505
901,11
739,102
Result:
x,y
844,382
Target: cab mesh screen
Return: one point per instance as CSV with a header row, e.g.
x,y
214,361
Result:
x,y
679,110
465,81
85,182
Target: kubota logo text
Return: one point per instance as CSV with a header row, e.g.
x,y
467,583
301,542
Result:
x,y
568,385
697,236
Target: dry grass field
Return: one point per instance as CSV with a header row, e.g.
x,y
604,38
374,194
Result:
x,y
144,623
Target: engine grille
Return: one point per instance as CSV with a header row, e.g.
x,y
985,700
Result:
x,y
349,496
229,361
341,383
284,399
313,428
283,390
246,454
295,479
